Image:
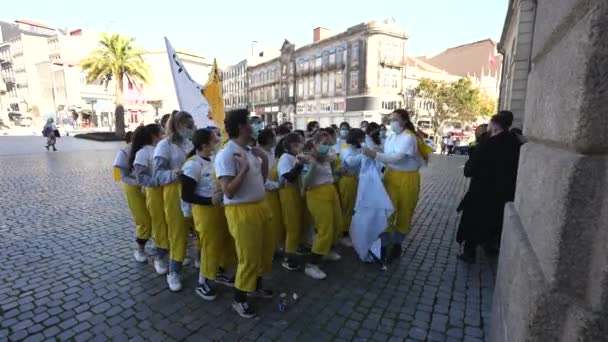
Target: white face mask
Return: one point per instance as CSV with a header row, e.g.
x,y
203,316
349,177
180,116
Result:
x,y
396,127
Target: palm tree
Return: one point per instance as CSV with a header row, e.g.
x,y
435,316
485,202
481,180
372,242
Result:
x,y
116,59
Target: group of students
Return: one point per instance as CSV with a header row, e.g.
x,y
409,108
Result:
x,y
260,194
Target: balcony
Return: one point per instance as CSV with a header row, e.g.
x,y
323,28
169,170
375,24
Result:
x,y
8,79
5,61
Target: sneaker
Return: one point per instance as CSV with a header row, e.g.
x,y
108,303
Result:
x,y
346,241
140,255
244,309
261,293
290,264
160,266
224,279
197,263
332,256
175,284
303,250
314,272
206,291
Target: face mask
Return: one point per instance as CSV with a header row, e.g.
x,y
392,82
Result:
x,y
395,127
186,133
343,133
323,150
255,131
382,134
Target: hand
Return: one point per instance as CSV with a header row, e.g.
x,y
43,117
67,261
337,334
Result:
x,y
368,152
217,199
302,158
241,162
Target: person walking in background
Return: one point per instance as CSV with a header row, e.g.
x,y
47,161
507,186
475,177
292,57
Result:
x,y
449,143
136,198
49,132
493,172
169,156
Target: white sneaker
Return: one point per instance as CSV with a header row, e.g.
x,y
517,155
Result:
x,y
140,255
314,272
346,241
160,266
174,282
332,256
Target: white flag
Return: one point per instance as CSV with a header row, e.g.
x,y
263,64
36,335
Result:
x,y
189,93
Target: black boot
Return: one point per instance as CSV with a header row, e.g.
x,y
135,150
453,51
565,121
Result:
x,y
469,253
395,253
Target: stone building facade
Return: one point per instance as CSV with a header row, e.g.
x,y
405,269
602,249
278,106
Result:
x,y
235,85
552,281
516,47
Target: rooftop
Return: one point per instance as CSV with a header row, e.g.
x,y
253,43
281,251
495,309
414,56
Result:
x,y
33,23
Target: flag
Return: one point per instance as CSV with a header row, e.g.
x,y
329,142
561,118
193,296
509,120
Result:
x,y
213,95
189,93
492,58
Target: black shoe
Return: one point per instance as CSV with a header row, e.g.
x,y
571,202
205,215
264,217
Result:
x,y
54,149
47,147
290,264
224,279
303,250
244,309
395,253
206,291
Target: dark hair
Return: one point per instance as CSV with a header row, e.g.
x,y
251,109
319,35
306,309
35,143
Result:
x,y
199,138
383,127
507,117
283,130
163,120
285,143
234,120
500,121
405,116
128,137
265,136
300,132
334,127
311,125
364,122
175,120
142,136
329,130
373,130
343,124
355,136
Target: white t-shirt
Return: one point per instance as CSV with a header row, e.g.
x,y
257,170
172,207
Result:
x,y
286,163
174,153
252,188
203,172
322,174
122,158
405,147
145,157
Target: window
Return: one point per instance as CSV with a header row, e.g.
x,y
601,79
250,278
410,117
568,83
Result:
x,y
291,68
339,106
306,66
324,82
354,81
305,86
290,91
395,80
318,63
339,83
332,59
276,93
339,57
325,107
386,78
300,89
311,87
332,84
317,84
325,61
354,54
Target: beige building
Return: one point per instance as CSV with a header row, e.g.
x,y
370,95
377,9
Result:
x,y
552,280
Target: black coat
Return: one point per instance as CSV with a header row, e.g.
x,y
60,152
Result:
x,y
492,168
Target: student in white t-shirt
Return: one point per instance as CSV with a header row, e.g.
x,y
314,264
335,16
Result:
x,y
141,156
169,157
323,203
201,190
242,176
136,199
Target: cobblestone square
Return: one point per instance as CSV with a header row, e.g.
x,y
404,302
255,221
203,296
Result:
x,y
66,241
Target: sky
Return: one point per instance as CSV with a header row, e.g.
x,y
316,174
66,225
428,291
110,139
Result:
x,y
225,29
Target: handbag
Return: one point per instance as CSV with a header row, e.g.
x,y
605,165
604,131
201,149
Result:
x,y
57,135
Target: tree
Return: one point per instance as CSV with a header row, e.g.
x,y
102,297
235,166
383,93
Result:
x,y
487,105
116,59
449,101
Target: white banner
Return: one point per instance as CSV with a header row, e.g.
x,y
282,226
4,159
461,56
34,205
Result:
x,y
189,93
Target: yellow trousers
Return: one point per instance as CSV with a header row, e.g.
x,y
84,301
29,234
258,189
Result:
x,y
217,245
347,187
177,225
324,206
292,209
403,187
136,200
275,228
156,208
246,223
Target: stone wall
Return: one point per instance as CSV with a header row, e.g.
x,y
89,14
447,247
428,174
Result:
x,y
552,282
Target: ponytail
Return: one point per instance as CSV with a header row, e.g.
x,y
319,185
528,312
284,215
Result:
x,y
191,153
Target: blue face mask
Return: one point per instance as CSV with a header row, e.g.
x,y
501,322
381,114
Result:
x,y
323,150
383,134
396,127
343,133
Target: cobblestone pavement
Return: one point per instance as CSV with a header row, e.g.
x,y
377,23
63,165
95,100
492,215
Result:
x,y
68,274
